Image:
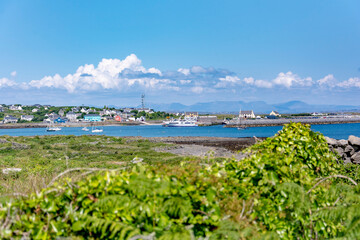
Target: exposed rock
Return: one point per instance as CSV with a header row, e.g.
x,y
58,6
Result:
x,y
356,158
19,146
340,151
137,160
356,148
355,141
347,160
343,143
332,141
349,149
3,141
9,170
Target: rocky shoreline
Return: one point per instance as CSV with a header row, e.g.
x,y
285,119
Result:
x,y
348,150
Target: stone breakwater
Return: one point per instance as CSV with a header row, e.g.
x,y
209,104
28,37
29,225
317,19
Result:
x,y
348,150
282,121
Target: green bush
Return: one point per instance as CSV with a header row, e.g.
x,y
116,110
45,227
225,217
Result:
x,y
274,193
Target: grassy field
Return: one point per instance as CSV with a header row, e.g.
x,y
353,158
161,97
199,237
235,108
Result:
x,y
41,158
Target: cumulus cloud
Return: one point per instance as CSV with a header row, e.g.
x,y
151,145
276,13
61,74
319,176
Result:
x,y
129,75
257,83
227,81
290,79
197,89
109,74
263,84
249,80
327,81
232,79
4,82
184,71
183,82
350,83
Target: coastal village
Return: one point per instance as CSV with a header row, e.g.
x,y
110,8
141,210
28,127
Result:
x,y
48,114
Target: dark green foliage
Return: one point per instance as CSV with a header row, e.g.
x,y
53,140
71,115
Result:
x,y
272,194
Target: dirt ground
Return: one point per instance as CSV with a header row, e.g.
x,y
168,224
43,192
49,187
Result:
x,y
204,146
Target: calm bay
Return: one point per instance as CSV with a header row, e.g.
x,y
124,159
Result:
x,y
338,131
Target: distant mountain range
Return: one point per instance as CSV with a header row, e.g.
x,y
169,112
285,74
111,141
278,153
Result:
x,y
257,106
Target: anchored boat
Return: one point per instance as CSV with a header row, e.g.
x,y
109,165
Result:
x,y
186,122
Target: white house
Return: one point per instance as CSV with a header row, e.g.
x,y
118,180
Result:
x,y
147,110
246,114
35,110
274,113
83,110
62,112
72,116
15,108
27,117
10,119
316,114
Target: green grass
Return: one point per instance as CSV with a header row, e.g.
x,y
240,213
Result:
x,y
47,156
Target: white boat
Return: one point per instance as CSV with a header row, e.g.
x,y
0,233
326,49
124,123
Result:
x,y
85,129
96,130
52,128
187,122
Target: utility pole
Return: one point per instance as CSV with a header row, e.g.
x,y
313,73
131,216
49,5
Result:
x,y
143,101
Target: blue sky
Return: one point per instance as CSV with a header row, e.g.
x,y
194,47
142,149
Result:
x,y
109,52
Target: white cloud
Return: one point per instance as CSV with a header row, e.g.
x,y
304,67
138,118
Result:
x,y
107,75
226,81
327,81
183,82
263,84
129,75
198,69
197,89
249,80
289,79
258,83
184,71
351,82
4,82
232,79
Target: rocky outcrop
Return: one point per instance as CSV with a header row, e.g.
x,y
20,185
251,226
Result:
x,y
348,150
14,144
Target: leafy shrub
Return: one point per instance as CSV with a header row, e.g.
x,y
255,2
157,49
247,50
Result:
x,y
273,193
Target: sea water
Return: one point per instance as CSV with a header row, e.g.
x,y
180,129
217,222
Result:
x,y
338,131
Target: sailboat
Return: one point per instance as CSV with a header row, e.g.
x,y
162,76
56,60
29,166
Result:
x,y
52,128
96,129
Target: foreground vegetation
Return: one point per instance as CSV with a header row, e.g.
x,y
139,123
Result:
x,y
41,158
290,187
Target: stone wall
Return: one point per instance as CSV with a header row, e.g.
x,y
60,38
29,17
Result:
x,y
349,150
